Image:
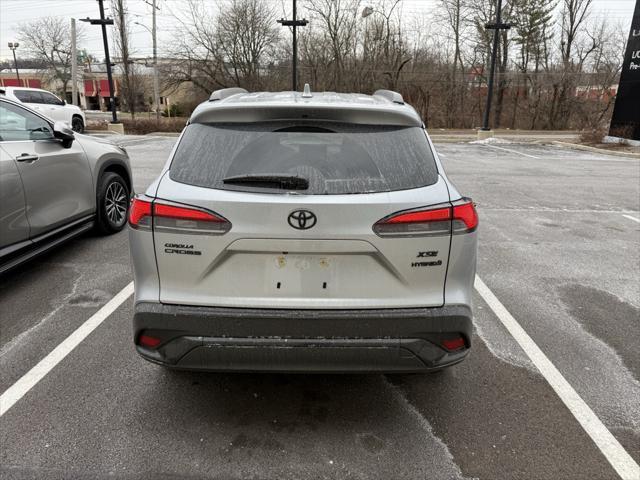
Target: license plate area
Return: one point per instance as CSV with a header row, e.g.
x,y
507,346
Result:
x,y
301,275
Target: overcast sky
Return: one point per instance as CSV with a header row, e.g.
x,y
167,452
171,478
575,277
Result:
x,y
14,12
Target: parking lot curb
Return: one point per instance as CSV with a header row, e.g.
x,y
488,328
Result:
x,y
587,148
163,134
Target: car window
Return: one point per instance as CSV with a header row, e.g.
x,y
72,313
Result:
x,y
28,96
18,124
50,98
335,158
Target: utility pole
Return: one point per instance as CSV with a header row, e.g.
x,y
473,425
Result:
x,y
295,23
496,27
74,64
103,23
156,87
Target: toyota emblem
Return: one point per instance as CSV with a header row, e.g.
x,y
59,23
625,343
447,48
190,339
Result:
x,y
302,219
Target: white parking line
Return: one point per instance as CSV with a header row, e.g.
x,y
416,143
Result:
x,y
19,389
512,151
617,456
631,218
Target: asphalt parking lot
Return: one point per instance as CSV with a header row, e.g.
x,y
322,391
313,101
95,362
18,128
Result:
x,y
559,253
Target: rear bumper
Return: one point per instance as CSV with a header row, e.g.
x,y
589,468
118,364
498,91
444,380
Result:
x,y
244,339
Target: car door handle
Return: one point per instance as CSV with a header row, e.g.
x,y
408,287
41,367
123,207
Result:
x,y
25,157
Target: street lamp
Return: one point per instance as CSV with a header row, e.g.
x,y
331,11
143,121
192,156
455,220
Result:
x,y
12,47
156,87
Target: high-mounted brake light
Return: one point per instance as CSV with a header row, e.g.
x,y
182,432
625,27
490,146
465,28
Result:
x,y
443,219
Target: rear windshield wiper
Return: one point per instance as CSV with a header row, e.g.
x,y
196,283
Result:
x,y
285,182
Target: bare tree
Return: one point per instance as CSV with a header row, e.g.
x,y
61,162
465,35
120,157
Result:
x,y
129,89
574,15
48,39
247,33
437,59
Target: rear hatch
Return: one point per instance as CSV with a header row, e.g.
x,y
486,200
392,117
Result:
x,y
277,215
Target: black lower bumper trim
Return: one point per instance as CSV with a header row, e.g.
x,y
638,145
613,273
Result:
x,y
240,339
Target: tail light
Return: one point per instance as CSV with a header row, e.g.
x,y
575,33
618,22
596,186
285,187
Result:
x,y
453,344
140,213
169,216
443,219
465,217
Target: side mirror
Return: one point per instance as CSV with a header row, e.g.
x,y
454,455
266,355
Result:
x,y
63,132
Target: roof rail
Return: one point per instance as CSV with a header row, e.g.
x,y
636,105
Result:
x,y
390,95
225,92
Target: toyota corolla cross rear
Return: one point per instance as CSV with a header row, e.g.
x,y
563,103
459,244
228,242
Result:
x,y
297,233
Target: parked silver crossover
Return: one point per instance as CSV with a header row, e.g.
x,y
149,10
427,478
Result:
x,y
303,232
55,184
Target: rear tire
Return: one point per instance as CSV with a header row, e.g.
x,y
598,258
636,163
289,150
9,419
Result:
x,y
77,125
112,204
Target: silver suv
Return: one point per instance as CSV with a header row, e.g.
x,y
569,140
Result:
x,y
55,184
303,232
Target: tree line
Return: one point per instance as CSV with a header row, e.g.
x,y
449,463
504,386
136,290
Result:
x,y
555,65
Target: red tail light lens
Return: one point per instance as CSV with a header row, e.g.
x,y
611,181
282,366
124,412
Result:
x,y
175,217
465,217
140,213
146,212
444,219
428,221
453,344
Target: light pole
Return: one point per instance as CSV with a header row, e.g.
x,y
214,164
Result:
x,y
12,47
156,88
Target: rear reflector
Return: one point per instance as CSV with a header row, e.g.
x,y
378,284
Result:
x,y
453,344
148,341
165,216
437,220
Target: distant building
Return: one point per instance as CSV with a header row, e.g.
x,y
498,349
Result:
x,y
93,85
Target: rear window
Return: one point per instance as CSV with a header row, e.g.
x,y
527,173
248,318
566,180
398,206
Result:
x,y
335,158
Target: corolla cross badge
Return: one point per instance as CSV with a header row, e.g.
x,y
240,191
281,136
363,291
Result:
x,y
302,219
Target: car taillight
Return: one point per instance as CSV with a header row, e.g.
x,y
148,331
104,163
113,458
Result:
x,y
146,213
465,217
140,214
176,217
443,219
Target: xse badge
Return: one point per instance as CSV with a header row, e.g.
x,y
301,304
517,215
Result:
x,y
180,249
429,254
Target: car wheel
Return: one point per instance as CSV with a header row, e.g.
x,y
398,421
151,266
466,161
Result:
x,y
112,203
77,125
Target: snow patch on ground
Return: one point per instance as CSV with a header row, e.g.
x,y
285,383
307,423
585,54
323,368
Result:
x,y
490,141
